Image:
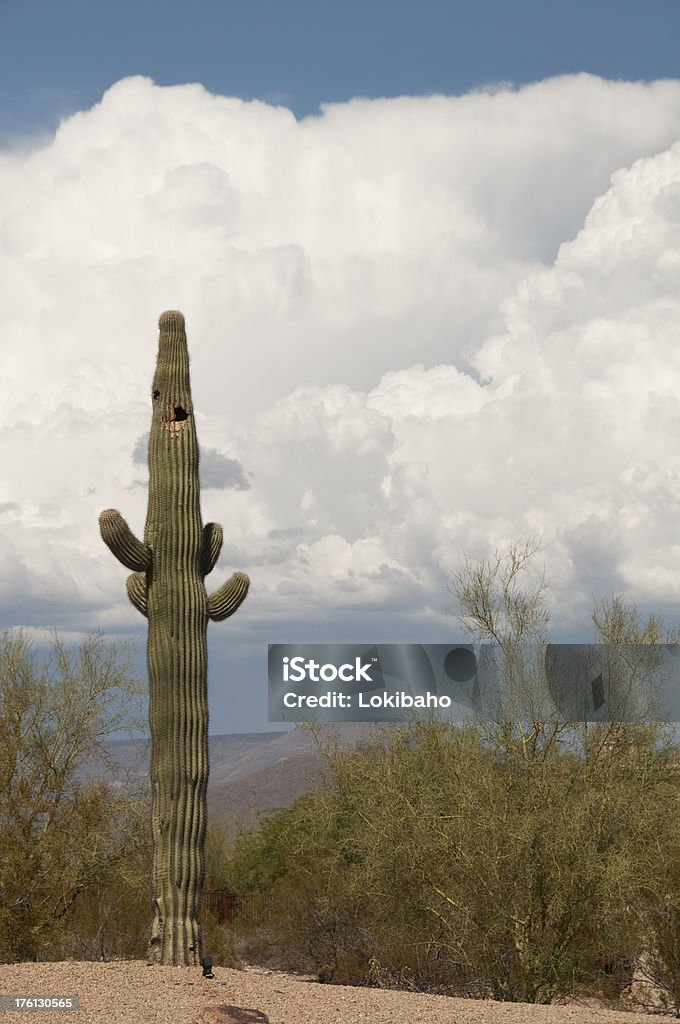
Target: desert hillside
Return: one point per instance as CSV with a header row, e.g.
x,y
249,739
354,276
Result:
x,y
250,773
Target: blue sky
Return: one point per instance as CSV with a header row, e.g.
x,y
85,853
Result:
x,y
57,58
434,316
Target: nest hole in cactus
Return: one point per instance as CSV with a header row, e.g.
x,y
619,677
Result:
x,y
174,414
174,418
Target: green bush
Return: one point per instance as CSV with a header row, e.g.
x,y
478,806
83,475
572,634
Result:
x,y
439,861
63,835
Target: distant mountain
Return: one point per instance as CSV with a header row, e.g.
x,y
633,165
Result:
x,y
239,803
250,773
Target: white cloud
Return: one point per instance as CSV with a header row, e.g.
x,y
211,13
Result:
x,y
418,326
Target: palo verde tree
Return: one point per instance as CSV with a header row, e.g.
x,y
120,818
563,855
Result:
x,y
583,804
64,829
503,599
167,587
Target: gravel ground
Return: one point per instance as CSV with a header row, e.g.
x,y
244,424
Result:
x,y
130,991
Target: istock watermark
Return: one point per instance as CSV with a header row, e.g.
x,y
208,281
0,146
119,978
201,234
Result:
x,y
297,670
467,682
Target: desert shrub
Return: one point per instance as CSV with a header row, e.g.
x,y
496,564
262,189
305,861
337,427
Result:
x,y
62,833
439,861
219,940
109,920
217,855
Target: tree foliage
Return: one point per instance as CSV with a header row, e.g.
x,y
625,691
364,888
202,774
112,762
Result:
x,y
519,857
62,833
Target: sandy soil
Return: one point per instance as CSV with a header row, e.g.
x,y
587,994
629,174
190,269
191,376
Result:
x,y
132,992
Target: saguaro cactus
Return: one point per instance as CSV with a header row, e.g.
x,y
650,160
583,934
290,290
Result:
x,y
167,587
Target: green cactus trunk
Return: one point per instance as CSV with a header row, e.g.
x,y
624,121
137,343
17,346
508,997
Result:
x,y
167,587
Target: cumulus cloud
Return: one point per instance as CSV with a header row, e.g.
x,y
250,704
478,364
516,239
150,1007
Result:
x,y
217,470
569,434
417,326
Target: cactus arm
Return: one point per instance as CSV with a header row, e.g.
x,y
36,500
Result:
x,y
118,536
211,545
225,601
136,591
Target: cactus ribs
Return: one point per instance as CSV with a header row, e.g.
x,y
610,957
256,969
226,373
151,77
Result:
x,y
167,587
